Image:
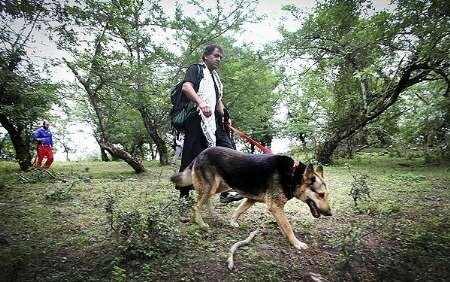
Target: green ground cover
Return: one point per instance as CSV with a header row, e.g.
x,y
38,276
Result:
x,y
100,221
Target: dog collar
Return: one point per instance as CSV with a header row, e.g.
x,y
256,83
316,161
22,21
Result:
x,y
291,186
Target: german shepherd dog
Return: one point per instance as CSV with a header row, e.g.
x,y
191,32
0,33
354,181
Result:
x,y
272,179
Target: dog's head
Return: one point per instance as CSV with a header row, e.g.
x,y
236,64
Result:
x,y
311,189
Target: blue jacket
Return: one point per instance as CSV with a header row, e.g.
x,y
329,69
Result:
x,y
42,133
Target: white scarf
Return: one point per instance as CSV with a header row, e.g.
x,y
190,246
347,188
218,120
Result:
x,y
207,92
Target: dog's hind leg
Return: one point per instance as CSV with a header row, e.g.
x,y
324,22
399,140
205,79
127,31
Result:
x,y
203,198
216,184
243,207
286,228
211,209
207,184
202,187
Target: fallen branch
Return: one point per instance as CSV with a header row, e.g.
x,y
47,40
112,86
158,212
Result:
x,y
361,148
54,176
51,174
23,178
237,245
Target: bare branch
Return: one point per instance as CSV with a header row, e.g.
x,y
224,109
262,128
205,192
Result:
x,y
239,244
35,20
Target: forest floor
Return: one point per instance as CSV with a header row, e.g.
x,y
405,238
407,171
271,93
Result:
x,y
101,222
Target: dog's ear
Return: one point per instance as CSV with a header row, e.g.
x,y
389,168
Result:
x,y
319,170
299,170
309,171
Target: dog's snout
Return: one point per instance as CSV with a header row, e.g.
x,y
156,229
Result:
x,y
327,213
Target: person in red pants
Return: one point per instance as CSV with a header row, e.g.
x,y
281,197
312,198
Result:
x,y
43,137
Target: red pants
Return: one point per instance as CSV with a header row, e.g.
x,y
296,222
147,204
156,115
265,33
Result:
x,y
44,151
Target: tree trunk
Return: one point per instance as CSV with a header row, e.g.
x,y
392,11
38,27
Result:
x,y
21,145
123,155
103,154
136,149
152,131
152,152
150,123
303,140
23,155
325,151
92,93
2,144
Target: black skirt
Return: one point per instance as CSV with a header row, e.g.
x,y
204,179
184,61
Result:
x,y
195,142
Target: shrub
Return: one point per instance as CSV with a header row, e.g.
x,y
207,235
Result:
x,y
144,235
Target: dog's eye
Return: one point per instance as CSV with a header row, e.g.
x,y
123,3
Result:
x,y
321,195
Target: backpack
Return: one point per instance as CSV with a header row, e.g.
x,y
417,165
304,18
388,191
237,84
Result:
x,y
182,106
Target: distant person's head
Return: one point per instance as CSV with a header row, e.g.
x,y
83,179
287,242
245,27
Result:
x,y
45,124
212,55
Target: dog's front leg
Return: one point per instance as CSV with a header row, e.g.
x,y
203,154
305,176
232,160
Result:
x,y
283,222
243,207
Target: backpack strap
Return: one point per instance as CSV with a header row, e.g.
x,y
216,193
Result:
x,y
199,75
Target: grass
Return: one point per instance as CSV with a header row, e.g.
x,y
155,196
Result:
x,y
54,230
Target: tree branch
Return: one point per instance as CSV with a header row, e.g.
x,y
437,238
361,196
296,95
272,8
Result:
x,y
239,244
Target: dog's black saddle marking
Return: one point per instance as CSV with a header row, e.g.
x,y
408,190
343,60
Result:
x,y
253,174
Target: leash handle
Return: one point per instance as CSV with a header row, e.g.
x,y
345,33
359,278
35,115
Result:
x,y
241,134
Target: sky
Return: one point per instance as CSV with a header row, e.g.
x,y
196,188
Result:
x,y
255,34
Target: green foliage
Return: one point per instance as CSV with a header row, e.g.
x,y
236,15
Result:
x,y
26,97
143,235
130,65
424,122
25,94
358,60
61,193
249,90
361,190
70,240
35,176
210,23
118,274
308,102
347,245
6,147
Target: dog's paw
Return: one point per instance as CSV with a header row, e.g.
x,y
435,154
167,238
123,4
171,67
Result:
x,y
300,245
234,223
204,226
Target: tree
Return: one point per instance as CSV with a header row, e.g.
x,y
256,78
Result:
x,y
249,82
25,96
60,132
91,71
135,64
6,148
366,61
135,24
424,123
209,25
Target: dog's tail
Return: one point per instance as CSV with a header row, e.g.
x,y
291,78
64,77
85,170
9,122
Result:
x,y
183,178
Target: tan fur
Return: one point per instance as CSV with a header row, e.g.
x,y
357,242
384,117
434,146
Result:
x,y
274,197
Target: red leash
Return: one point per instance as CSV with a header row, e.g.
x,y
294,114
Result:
x,y
247,138
263,149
